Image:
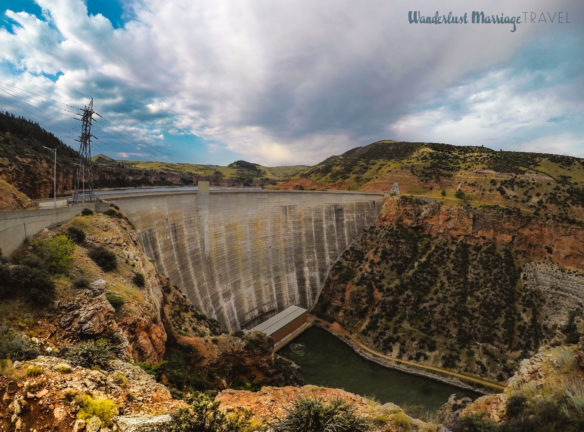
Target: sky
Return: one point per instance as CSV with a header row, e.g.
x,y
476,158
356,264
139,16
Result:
x,y
293,82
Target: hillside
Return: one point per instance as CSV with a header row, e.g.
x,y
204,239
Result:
x,y
470,289
534,182
27,166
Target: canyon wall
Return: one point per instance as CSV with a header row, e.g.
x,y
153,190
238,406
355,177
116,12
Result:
x,y
243,256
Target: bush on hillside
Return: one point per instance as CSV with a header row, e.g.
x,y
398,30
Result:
x,y
76,234
204,415
15,346
89,354
311,415
139,280
116,300
103,258
31,283
57,252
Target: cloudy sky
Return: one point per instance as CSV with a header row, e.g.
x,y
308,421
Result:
x,y
282,82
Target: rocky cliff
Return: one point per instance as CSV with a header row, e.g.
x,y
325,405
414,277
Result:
x,y
474,289
538,238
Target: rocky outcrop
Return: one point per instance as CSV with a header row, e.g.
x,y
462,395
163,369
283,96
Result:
x,y
51,396
536,237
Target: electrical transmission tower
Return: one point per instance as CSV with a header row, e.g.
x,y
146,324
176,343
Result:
x,y
84,178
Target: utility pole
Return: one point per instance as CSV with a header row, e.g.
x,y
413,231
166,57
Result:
x,y
84,177
54,176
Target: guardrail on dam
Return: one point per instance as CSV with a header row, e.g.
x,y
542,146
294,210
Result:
x,y
243,256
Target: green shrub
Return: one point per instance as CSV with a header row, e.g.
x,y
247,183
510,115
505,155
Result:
x,y
57,252
14,346
474,423
460,194
34,284
310,415
86,212
139,280
516,406
103,258
89,354
113,213
155,370
204,415
80,283
76,234
116,300
104,408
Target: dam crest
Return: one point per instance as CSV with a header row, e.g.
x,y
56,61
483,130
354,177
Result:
x,y
243,256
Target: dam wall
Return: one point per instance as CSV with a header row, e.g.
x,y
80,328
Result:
x,y
19,225
241,257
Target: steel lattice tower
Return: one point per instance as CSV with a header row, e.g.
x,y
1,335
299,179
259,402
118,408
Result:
x,y
84,178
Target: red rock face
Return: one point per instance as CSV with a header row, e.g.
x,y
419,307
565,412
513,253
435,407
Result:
x,y
147,340
538,238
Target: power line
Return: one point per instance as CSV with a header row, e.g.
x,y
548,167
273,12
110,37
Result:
x,y
84,177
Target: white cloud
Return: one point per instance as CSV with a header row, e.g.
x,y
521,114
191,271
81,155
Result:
x,y
566,144
487,111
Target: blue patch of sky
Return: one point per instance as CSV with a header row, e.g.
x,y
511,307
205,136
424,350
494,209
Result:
x,y
52,77
113,10
9,68
553,59
193,149
28,6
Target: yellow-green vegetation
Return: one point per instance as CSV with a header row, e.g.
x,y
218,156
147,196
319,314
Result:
x,y
57,251
63,368
401,420
33,371
538,183
7,368
103,408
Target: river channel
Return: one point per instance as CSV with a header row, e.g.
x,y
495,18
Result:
x,y
326,361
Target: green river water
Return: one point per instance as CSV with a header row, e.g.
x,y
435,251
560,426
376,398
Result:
x,y
326,361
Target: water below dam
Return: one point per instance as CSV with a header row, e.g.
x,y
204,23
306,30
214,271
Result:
x,y
326,361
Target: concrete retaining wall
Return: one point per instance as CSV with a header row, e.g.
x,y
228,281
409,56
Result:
x,y
241,257
17,226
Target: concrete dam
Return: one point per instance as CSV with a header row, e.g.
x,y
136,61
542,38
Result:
x,y
241,257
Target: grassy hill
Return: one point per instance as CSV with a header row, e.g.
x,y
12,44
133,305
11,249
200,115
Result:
x,y
239,170
533,182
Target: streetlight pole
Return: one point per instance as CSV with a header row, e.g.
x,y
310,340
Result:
x,y
54,176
